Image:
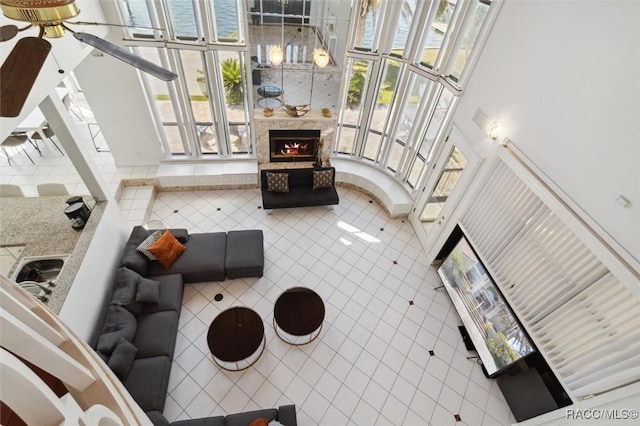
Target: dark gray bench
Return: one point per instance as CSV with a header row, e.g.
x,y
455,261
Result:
x,y
301,192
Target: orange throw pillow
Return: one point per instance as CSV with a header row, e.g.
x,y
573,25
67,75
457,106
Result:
x,y
260,422
167,249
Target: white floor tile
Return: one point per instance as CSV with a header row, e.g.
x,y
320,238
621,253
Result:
x,y
234,401
370,364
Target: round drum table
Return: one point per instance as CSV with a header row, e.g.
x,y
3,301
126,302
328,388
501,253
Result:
x,y
298,315
236,338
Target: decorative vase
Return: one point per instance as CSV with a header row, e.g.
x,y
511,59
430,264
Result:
x,y
326,112
268,112
296,110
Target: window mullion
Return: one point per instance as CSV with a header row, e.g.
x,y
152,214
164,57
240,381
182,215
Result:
x,y
454,36
187,124
427,17
390,19
418,133
495,6
398,106
216,92
369,102
207,20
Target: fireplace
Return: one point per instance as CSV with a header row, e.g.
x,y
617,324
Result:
x,y
293,145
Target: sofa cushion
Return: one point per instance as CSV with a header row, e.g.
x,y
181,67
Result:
x,y
170,291
245,254
107,343
148,381
126,286
277,182
131,258
243,419
157,418
204,421
121,321
181,235
156,334
122,358
322,179
148,242
167,249
202,261
148,291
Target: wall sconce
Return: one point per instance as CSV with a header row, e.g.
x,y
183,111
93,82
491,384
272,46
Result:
x,y
494,128
320,57
276,55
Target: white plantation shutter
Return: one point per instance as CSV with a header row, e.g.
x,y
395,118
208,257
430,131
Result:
x,y
584,321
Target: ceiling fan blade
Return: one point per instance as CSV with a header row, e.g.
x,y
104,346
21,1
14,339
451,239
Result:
x,y
126,56
7,32
19,72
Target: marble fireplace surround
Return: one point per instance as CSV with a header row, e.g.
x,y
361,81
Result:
x,y
280,120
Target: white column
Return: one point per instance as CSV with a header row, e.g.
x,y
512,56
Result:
x,y
61,123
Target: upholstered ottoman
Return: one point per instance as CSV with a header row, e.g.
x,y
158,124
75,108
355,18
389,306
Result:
x,y
245,254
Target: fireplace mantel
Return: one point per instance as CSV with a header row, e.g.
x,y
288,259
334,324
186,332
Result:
x,y
280,120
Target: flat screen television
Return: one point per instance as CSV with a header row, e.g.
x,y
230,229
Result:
x,y
498,337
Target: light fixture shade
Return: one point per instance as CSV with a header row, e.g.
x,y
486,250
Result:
x,y
275,54
320,57
495,128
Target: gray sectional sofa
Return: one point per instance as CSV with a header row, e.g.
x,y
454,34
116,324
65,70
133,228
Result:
x,y
137,336
285,414
137,339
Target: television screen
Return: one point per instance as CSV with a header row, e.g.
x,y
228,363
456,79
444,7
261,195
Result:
x,y
496,334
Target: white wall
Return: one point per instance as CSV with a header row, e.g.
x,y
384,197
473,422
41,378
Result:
x,y
84,304
120,108
563,77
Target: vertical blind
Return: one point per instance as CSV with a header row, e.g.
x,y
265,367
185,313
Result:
x,y
584,321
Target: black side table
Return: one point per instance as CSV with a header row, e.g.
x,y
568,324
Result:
x,y
298,315
236,338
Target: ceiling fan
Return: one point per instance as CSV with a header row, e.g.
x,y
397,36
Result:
x,y
21,68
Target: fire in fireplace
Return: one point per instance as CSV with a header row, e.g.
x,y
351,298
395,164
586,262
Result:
x,y
293,145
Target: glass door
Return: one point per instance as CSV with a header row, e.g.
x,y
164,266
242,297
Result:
x,y
434,216
449,178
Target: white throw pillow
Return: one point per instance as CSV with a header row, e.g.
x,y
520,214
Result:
x,y
148,242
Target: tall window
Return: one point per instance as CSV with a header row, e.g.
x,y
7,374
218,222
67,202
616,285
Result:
x,y
204,113
472,25
358,76
406,64
378,127
417,55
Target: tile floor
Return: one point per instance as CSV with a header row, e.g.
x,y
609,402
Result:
x,y
371,363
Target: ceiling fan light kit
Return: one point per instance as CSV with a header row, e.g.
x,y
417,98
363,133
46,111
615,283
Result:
x,y
47,13
29,54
